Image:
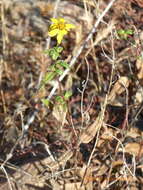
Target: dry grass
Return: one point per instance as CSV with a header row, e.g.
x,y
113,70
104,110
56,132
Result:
x,y
96,143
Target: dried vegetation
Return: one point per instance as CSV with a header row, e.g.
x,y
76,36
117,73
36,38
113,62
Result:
x,y
96,143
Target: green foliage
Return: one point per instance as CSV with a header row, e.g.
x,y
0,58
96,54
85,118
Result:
x,y
59,65
54,52
48,77
67,95
46,102
124,34
56,69
62,100
62,63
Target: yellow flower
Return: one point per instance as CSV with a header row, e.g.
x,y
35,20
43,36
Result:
x,y
59,28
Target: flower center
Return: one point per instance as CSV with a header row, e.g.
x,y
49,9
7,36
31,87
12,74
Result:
x,y
61,26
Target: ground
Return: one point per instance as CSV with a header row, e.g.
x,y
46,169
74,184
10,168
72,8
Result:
x,y
93,139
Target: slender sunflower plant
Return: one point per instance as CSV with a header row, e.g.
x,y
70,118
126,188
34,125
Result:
x,y
58,28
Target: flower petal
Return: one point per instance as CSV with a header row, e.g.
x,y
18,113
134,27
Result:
x,y
54,20
53,27
61,20
53,32
69,26
60,37
63,32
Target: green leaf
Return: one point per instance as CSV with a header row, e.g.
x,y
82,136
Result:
x,y
59,71
59,49
67,95
130,32
55,56
60,99
121,32
124,33
49,76
62,63
50,51
46,102
54,52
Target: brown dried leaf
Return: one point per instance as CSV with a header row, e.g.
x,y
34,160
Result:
x,y
55,185
74,186
104,32
139,65
60,112
134,148
87,181
103,169
107,134
88,178
69,82
91,131
104,184
61,161
79,34
117,163
133,132
118,88
139,96
128,178
138,2
90,2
